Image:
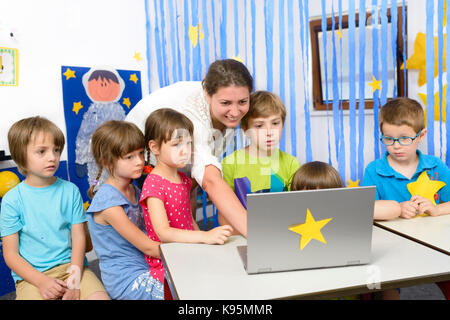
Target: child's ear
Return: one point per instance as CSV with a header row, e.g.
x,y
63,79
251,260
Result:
x,y
422,134
153,146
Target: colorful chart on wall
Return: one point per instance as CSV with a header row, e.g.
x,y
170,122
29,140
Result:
x,y
9,67
93,95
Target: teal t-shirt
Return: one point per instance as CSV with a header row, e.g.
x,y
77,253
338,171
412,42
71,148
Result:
x,y
42,217
247,174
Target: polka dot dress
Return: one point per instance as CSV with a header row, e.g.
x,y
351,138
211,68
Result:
x,y
175,197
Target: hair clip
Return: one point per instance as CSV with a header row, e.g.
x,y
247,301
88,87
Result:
x,y
94,183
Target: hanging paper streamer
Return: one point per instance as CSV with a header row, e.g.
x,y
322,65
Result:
x,y
404,42
173,43
268,18
341,156
163,41
292,100
352,88
440,66
158,46
361,84
223,32
205,28
253,13
384,52
447,99
324,40
179,68
197,65
282,45
147,27
375,70
213,17
187,43
430,76
394,30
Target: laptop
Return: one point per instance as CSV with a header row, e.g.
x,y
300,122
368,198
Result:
x,y
308,229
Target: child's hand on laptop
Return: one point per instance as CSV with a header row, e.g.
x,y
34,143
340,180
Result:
x,y
409,209
425,206
218,235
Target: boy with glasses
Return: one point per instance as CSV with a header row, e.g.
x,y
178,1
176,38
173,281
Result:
x,y
402,129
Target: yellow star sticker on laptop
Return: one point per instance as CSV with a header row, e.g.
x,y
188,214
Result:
x,y
310,229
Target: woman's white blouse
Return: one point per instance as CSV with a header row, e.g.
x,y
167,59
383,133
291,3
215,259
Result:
x,y
188,98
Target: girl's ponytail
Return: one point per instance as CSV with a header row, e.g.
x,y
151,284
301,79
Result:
x,y
91,191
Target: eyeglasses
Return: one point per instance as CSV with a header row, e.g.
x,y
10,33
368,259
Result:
x,y
403,141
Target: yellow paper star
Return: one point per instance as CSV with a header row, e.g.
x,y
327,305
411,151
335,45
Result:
x,y
423,97
126,101
310,229
339,34
353,184
134,78
375,84
418,59
195,34
425,187
137,56
238,58
69,74
86,205
77,106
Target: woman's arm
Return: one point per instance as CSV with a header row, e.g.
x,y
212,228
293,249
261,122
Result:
x,y
224,199
117,218
166,233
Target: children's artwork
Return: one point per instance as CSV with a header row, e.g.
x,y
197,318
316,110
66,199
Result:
x,y
92,96
425,187
9,67
310,229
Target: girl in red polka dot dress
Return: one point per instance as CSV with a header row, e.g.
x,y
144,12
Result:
x,y
165,194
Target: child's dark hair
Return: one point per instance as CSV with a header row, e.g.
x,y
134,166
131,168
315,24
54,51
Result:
x,y
103,74
112,140
316,175
24,131
161,125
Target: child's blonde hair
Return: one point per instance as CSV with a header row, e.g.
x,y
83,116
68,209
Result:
x,y
112,140
263,104
23,131
403,111
162,123
316,175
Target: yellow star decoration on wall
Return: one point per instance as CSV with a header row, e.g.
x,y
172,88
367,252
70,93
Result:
x,y
86,205
137,56
437,116
339,34
77,106
195,34
425,187
238,58
310,229
69,74
375,84
353,184
134,78
418,59
126,101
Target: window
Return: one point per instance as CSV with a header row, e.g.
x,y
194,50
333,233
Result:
x,y
394,74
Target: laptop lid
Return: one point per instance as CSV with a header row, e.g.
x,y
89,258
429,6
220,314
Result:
x,y
309,229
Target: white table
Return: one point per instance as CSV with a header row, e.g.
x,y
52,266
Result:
x,y
200,271
430,231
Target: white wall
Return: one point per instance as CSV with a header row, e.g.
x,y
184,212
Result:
x,y
52,33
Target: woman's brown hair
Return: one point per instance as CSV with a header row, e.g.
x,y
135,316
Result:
x,y
316,175
112,140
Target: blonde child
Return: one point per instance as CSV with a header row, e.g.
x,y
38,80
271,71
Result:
x,y
42,221
115,217
165,193
261,166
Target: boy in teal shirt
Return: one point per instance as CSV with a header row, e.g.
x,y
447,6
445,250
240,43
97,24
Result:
x,y
261,166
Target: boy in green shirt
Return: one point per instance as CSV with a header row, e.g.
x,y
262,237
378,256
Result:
x,y
261,166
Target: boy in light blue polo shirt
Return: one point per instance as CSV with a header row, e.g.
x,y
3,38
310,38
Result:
x,y
402,128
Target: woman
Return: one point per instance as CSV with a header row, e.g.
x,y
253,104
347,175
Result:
x,y
215,106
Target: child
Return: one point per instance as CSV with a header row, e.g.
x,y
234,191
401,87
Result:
x,y
165,193
42,220
316,175
261,166
402,127
115,217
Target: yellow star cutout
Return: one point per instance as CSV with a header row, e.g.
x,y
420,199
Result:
x,y
423,97
69,74
77,106
418,59
310,229
339,34
134,78
137,56
425,187
353,184
86,205
126,101
238,58
375,84
195,34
